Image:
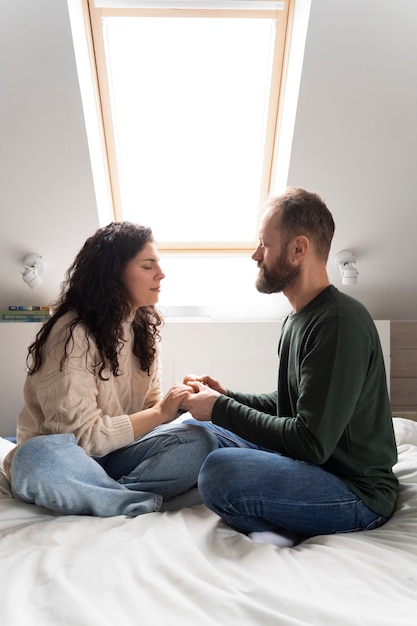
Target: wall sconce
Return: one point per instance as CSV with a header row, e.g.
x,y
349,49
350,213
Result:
x,y
345,260
32,270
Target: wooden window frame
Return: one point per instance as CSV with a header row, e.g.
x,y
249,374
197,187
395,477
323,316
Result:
x,y
283,17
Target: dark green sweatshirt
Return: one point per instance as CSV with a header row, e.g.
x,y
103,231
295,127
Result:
x,y
332,407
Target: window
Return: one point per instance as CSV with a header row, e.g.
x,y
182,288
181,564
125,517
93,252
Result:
x,y
190,105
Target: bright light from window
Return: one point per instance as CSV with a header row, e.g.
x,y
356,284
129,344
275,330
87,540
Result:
x,y
190,99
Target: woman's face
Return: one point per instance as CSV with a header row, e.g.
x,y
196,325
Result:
x,y
142,276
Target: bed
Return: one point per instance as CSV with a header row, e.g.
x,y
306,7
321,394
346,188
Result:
x,y
187,567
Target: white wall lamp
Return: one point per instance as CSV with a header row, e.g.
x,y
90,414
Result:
x,y
346,262
32,270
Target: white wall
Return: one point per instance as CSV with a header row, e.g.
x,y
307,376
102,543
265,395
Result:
x,y
47,195
354,142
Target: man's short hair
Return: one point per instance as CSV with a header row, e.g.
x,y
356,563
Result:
x,y
305,213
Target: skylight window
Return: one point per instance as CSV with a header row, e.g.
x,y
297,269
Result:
x,y
190,102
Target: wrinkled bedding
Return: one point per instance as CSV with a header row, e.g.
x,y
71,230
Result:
x,y
188,568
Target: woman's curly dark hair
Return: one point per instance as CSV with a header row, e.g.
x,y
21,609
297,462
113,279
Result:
x,y
94,290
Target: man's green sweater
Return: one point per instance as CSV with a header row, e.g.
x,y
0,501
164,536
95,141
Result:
x,y
332,406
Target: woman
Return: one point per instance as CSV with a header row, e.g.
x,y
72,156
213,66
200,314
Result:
x,y
93,436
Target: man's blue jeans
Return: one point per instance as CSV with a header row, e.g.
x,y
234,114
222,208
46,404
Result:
x,y
54,472
254,489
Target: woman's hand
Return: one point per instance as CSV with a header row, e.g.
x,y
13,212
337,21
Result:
x,y
200,403
172,403
162,412
206,380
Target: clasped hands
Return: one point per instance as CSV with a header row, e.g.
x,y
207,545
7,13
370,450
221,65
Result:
x,y
197,394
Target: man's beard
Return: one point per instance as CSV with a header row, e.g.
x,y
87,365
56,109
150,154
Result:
x,y
278,278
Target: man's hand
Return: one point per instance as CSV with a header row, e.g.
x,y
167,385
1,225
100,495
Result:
x,y
206,380
200,403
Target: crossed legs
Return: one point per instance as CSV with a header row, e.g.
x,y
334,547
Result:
x,y
54,472
256,490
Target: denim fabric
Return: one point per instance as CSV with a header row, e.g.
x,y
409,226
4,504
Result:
x,y
254,489
54,472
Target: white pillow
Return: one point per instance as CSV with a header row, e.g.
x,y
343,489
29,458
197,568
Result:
x,y
5,447
405,431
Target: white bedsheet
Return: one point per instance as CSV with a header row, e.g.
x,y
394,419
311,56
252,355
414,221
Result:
x,y
189,568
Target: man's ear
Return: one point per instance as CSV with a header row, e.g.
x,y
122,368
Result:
x,y
302,244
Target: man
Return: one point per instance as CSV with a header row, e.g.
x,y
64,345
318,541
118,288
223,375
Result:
x,y
315,456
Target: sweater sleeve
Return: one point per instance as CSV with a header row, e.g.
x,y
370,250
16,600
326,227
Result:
x,y
154,394
244,416
265,402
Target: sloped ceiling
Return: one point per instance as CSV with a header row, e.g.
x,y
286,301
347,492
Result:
x,y
354,143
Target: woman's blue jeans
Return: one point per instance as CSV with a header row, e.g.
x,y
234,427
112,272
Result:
x,y
254,489
56,473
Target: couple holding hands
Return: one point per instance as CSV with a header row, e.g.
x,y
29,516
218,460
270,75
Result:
x,y
96,435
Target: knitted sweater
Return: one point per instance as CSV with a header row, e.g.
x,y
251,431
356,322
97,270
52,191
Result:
x,y
75,400
332,406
